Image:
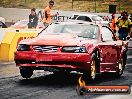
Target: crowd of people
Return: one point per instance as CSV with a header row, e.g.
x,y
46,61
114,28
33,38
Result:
x,y
121,25
46,16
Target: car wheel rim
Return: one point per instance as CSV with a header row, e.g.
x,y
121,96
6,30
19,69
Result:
x,y
120,66
93,68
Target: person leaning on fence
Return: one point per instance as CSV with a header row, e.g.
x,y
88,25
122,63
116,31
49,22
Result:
x,y
47,17
33,19
123,24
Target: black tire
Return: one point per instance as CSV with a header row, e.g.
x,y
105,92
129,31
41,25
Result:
x,y
124,57
94,68
94,65
26,72
121,66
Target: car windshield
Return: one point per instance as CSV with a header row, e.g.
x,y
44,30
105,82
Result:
x,y
97,18
82,30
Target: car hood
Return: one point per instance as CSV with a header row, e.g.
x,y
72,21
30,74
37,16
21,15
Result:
x,y
59,40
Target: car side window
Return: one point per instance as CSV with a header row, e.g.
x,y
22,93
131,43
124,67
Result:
x,y
88,19
84,18
74,17
107,34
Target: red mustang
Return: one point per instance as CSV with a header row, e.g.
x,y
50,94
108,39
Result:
x,y
72,46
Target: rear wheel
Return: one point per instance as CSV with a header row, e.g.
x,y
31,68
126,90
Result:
x,y
124,57
121,67
26,72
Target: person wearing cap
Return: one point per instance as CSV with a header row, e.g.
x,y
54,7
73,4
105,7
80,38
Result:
x,y
113,23
33,19
123,24
47,19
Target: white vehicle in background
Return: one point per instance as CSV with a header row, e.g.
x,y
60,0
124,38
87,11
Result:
x,y
23,24
89,18
2,23
2,20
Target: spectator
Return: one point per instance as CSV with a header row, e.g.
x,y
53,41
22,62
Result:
x,y
106,18
131,17
47,14
33,19
130,32
113,23
123,24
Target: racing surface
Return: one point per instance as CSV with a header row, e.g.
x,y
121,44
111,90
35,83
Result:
x,y
46,85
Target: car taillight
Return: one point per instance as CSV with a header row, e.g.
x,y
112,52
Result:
x,y
23,47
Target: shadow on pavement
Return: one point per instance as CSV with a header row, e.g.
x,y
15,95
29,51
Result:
x,y
56,80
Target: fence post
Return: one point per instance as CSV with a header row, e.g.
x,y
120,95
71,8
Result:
x,y
95,5
72,4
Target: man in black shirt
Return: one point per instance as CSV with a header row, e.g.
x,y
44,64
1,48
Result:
x,y
33,19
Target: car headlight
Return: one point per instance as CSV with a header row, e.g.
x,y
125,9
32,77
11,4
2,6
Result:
x,y
23,47
74,49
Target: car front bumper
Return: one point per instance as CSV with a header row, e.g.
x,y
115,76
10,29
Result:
x,y
55,60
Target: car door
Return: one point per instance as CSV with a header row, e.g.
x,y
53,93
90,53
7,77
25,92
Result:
x,y
109,48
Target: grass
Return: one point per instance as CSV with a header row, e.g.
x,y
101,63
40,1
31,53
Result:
x,y
101,5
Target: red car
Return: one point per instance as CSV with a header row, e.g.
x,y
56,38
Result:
x,y
72,46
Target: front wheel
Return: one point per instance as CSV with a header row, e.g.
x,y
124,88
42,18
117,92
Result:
x,y
26,72
94,68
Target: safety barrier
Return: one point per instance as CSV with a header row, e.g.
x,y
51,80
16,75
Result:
x,y
10,41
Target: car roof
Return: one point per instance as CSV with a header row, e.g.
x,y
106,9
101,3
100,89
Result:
x,y
76,22
84,14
